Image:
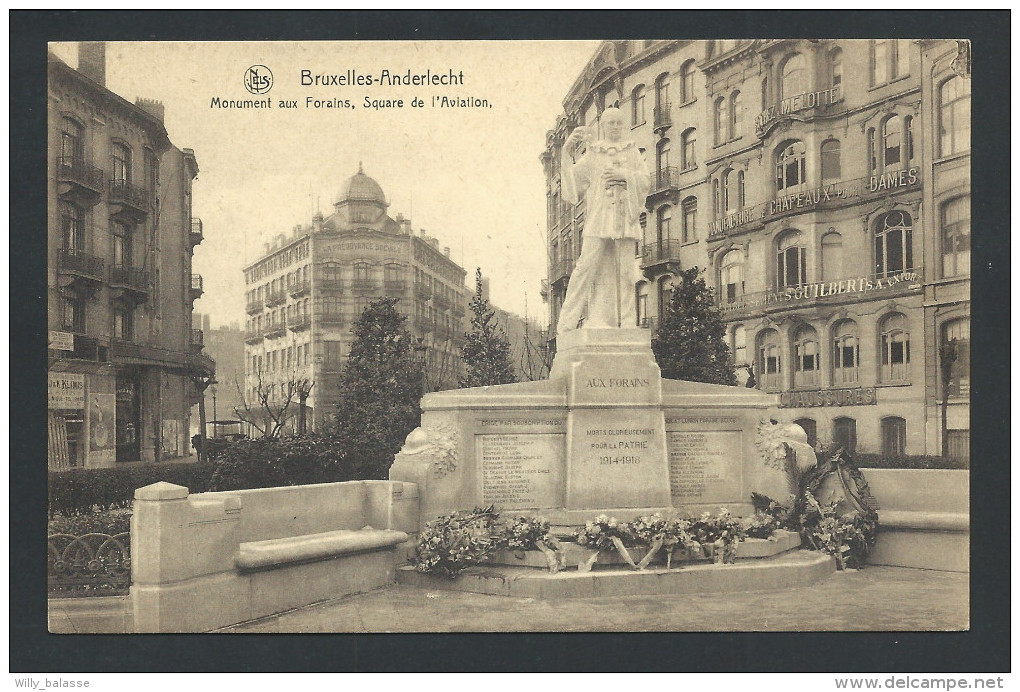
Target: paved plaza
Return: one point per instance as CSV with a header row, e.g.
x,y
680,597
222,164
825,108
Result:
x,y
876,599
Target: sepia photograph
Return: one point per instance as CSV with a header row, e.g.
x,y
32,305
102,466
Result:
x,y
452,336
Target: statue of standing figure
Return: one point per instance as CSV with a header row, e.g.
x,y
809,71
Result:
x,y
613,179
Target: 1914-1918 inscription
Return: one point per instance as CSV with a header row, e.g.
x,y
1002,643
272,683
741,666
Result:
x,y
521,471
704,467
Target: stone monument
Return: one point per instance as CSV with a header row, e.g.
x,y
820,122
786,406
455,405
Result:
x,y
605,433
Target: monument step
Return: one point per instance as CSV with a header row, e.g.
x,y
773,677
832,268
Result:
x,y
751,548
791,569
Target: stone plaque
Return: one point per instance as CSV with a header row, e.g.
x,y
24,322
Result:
x,y
522,471
617,459
705,467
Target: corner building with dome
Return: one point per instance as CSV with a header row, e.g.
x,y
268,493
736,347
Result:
x,y
306,291
824,188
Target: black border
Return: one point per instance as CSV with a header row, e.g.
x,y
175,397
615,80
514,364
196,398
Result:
x,y
984,649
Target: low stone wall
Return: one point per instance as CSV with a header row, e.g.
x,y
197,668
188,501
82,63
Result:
x,y
924,518
192,567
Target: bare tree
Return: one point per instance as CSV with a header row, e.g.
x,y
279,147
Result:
x,y
536,356
269,406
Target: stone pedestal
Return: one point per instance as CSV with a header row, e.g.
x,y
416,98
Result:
x,y
604,434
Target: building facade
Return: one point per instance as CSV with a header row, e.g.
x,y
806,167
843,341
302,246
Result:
x,y
823,186
123,358
305,293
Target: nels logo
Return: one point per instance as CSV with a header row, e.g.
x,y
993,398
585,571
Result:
x,y
258,79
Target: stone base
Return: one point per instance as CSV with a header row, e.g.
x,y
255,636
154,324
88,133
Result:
x,y
792,569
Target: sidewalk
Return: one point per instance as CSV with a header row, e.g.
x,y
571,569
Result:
x,y
876,598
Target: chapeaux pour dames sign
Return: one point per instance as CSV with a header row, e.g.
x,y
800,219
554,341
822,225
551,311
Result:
x,y
857,396
788,106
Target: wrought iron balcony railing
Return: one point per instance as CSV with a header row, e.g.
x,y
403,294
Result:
x,y
196,231
81,263
562,269
661,117
665,179
296,323
123,192
74,169
255,305
131,278
363,285
661,251
197,340
299,288
277,297
196,287
423,291
394,287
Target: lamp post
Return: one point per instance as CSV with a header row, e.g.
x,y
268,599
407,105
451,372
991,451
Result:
x,y
948,354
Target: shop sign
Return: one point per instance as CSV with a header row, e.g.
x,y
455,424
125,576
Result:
x,y
856,396
793,104
819,196
61,341
823,289
66,390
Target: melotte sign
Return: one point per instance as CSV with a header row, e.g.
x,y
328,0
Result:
x,y
793,104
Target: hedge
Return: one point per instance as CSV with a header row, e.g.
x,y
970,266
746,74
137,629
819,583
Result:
x,y
109,522
879,461
83,491
297,460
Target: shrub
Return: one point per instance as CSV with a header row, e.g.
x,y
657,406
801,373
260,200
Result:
x,y
879,461
83,491
111,522
267,463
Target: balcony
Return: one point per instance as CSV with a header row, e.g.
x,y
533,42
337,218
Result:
x,y
441,302
88,349
423,291
128,201
276,330
457,310
196,291
395,287
277,297
197,340
80,268
296,323
423,324
664,181
544,290
299,288
851,290
253,336
196,236
661,117
330,317
130,279
254,306
661,252
562,269
363,286
79,180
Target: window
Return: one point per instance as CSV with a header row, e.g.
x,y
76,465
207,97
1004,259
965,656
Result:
x,y
846,353
872,151
330,271
688,156
790,166
637,104
665,294
332,353
72,142
732,184
830,160
121,163
329,305
121,245
151,172
892,141
662,221
687,93
832,256
662,160
895,349
123,323
642,305
844,434
662,91
893,244
955,224
894,436
805,353
764,93
811,428
720,120
954,116
739,345
716,206
890,59
740,190
690,211
790,260
959,376
72,227
835,67
735,114
394,272
908,139
769,365
731,275
793,79
73,308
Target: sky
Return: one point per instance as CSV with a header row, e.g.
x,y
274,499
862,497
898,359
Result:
x,y
470,177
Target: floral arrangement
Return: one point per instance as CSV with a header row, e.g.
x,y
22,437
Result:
x,y
761,525
454,542
718,535
601,534
670,533
848,536
525,533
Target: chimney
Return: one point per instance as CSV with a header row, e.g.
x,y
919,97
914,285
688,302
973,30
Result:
x,y
92,60
152,107
206,321
421,232
265,248
446,251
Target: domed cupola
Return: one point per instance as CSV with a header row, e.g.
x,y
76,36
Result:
x,y
361,200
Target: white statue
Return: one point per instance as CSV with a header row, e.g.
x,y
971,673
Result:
x,y
613,178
